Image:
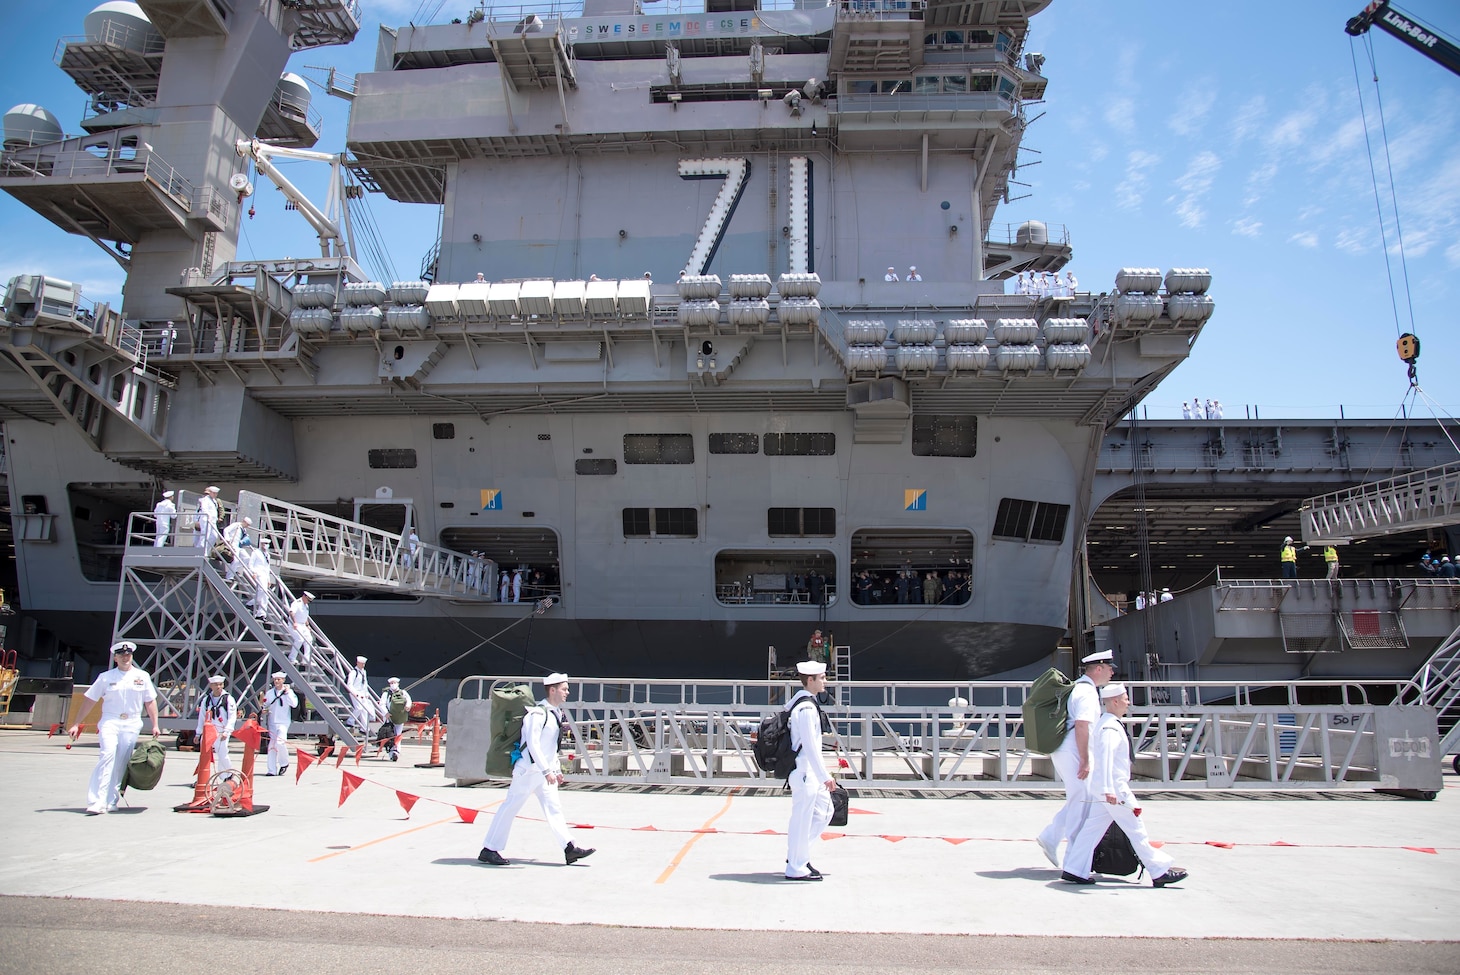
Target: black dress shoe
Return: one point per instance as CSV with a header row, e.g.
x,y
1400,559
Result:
x,y
572,854
808,877
1173,876
493,857
1070,878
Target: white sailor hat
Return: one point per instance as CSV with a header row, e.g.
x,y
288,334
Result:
x,y
554,678
124,646
1111,690
280,675
1167,589
1099,657
211,489
307,594
168,494
361,660
216,679
393,681
810,668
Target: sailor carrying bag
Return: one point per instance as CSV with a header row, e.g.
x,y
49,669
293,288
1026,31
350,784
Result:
x,y
144,768
510,703
1046,711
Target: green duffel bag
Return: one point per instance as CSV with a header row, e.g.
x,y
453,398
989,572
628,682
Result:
x,y
144,768
510,703
1046,712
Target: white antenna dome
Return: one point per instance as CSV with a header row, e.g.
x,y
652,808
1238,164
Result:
x,y
30,125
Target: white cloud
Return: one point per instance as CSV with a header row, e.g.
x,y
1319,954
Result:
x,y
1247,227
1452,255
1120,115
1193,106
1130,192
1194,184
1248,118
1097,151
1304,238
1352,240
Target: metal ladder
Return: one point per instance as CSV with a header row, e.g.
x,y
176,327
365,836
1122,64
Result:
x,y
9,677
841,668
1438,684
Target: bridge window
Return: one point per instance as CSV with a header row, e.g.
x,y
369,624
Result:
x,y
659,448
801,522
393,458
1031,521
934,435
800,444
661,522
734,443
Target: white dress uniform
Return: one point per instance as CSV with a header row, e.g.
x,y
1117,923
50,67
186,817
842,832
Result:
x,y
207,523
810,801
223,712
234,535
506,586
256,564
540,730
301,643
362,702
1110,773
396,726
123,694
164,512
1084,705
517,585
279,704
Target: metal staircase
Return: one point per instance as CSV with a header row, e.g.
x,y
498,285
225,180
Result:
x,y
1437,684
1424,499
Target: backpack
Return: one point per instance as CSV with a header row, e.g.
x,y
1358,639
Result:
x,y
1046,712
1114,855
773,751
144,768
398,710
510,704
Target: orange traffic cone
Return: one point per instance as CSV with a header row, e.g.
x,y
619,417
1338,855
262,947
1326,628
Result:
x,y
435,761
201,803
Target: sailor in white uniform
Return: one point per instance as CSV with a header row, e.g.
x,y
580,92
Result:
x,y
362,702
395,703
506,587
125,693
1072,759
517,585
301,641
206,519
256,565
279,704
811,783
164,512
218,708
234,535
1111,799
538,772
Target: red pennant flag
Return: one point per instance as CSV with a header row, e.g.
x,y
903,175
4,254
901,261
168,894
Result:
x,y
1420,849
832,836
250,734
340,759
769,832
467,815
1281,843
348,784
302,761
863,812
406,801
359,750
1157,844
955,840
646,829
1220,844
894,839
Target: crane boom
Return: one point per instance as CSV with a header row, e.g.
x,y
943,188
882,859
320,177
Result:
x,y
1417,35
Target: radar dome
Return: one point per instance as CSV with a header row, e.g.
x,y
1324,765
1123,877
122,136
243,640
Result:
x,y
122,23
30,125
293,93
1032,232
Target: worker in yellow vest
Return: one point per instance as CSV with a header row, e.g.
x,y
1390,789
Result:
x,y
1330,557
1289,559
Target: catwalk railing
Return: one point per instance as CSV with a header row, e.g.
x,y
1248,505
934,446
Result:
x,y
1424,499
1191,736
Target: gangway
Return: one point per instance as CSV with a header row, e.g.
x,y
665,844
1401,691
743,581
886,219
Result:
x,y
1438,685
319,547
1423,499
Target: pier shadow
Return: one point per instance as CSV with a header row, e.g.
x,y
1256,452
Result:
x,y
1021,873
751,878
512,862
81,810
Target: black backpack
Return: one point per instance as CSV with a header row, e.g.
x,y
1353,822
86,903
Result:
x,y
773,751
1114,855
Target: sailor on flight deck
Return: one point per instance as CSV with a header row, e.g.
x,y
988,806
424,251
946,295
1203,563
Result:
x,y
125,692
1072,758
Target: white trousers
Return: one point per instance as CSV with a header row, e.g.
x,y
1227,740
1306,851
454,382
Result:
x,y
527,780
164,528
278,746
1066,822
207,533
301,645
221,761
115,738
810,813
1097,819
361,711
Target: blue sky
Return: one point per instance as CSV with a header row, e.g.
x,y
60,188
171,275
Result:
x,y
1221,135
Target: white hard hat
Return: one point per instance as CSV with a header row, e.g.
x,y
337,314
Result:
x,y
1287,540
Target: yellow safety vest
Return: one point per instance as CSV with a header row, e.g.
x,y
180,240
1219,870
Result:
x,y
1289,554
1330,554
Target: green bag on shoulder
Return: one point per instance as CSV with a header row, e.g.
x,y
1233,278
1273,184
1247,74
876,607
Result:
x,y
509,706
